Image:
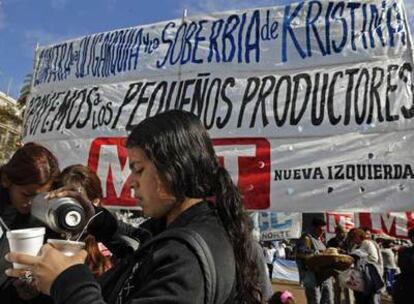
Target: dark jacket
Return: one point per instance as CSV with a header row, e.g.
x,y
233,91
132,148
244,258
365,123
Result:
x,y
168,273
336,243
403,291
14,220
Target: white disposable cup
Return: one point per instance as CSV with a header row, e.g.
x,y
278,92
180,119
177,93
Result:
x,y
28,241
67,247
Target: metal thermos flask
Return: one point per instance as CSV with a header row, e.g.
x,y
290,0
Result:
x,y
62,214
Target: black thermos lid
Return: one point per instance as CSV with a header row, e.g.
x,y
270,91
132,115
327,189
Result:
x,y
70,217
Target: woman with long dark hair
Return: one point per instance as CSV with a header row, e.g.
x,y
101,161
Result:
x,y
176,177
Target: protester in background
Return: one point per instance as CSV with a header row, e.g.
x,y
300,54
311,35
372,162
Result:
x,y
82,178
368,233
369,261
403,291
338,241
269,253
280,252
31,170
282,297
174,170
264,282
318,287
290,255
390,265
258,255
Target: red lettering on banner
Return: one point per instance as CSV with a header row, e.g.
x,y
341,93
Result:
x,y
334,219
247,159
396,224
108,159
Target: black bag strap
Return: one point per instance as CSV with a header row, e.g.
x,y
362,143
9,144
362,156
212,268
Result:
x,y
201,250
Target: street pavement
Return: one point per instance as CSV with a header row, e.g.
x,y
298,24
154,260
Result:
x,y
299,293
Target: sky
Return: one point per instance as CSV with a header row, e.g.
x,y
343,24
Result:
x,y
24,23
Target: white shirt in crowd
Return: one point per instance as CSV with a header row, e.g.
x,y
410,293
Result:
x,y
280,251
388,257
269,254
374,254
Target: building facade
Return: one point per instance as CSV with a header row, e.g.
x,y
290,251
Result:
x,y
10,127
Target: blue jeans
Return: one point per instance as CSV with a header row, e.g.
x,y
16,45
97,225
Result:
x,y
389,278
321,294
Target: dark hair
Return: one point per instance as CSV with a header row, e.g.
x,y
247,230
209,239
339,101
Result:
x,y
357,232
82,176
339,228
318,222
31,164
366,229
411,233
387,243
182,151
96,261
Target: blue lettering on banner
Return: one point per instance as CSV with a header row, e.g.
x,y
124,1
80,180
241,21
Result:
x,y
288,29
271,220
304,30
339,17
361,36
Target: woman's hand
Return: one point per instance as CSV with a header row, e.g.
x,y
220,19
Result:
x,y
76,192
46,267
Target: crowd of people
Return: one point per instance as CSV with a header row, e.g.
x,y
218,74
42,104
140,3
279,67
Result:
x,y
379,266
197,245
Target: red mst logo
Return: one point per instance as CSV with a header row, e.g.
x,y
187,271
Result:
x,y
247,160
109,160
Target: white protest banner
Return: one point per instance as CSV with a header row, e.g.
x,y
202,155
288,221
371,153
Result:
x,y
311,105
279,225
